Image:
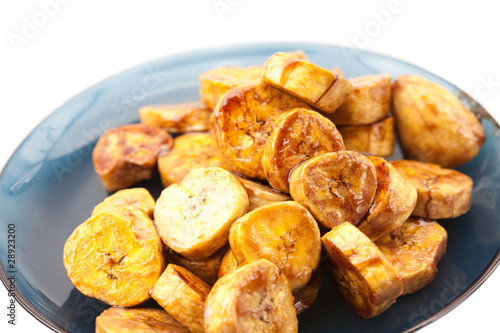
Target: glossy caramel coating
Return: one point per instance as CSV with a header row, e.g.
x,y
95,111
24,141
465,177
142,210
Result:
x,y
375,139
305,297
260,194
139,198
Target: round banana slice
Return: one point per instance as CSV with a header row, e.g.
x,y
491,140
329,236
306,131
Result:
x,y
193,218
193,150
284,233
227,264
260,194
178,118
253,298
374,139
299,135
441,193
305,297
127,154
115,256
122,320
182,294
414,249
395,200
433,125
362,275
243,121
207,269
138,198
335,187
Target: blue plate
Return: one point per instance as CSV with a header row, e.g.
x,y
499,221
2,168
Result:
x,y
49,187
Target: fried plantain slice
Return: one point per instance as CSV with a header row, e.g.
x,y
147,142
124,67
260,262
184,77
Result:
x,y
260,194
362,275
284,233
243,121
433,125
127,154
193,218
252,298
305,297
373,139
191,151
369,102
414,249
298,135
441,193
335,187
139,198
227,264
122,320
182,294
115,256
177,118
317,86
395,200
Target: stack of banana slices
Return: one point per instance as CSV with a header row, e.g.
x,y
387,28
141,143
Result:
x,y
275,164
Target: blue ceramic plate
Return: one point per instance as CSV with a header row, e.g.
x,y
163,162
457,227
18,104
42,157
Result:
x,y
49,187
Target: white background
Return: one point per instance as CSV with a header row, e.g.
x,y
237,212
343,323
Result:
x,y
84,42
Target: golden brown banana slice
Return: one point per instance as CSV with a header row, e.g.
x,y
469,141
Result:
x,y
284,233
193,218
260,194
414,249
317,86
122,320
207,269
115,256
227,264
441,193
182,294
252,298
191,151
433,125
369,102
374,139
335,187
362,275
305,297
243,121
395,200
177,118
127,154
298,135
139,198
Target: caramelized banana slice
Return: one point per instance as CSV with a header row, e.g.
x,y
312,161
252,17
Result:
x,y
193,218
138,198
122,320
433,125
441,193
260,194
373,139
395,200
227,264
311,83
182,294
207,269
177,118
127,154
284,233
243,121
369,102
305,297
362,275
299,135
335,187
115,256
253,298
191,151
414,249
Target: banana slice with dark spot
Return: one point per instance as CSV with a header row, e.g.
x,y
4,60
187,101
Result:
x,y
193,218
284,233
441,193
115,256
374,139
260,194
335,187
299,135
227,264
139,198
362,275
252,298
305,297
